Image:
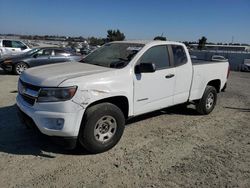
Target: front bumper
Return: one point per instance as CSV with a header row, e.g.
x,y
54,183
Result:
x,y
6,67
66,142
60,119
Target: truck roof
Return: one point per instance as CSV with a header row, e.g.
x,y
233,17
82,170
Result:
x,y
146,42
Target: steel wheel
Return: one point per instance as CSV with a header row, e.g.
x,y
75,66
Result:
x,y
105,129
102,127
210,101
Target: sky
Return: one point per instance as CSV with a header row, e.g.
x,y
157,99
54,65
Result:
x,y
179,20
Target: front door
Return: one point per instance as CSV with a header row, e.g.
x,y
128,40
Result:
x,y
155,90
42,57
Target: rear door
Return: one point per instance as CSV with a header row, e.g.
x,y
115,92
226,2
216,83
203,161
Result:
x,y
183,73
59,56
155,90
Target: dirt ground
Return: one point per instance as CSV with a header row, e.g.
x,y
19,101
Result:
x,y
174,147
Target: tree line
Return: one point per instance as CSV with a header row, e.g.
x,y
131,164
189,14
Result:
x,y
112,35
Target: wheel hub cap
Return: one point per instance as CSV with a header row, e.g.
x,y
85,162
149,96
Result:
x,y
210,100
105,129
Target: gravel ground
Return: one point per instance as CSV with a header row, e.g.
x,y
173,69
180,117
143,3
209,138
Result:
x,y
170,148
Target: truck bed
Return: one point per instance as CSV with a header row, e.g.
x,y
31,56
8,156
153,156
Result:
x,y
205,71
202,62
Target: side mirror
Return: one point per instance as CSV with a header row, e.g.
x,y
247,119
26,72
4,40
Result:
x,y
145,68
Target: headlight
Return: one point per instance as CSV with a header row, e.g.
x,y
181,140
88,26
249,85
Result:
x,y
56,94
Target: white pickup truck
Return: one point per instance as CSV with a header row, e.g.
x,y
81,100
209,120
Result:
x,y
12,47
89,102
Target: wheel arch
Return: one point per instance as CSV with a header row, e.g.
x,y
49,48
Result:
x,y
86,134
120,101
16,63
21,62
216,84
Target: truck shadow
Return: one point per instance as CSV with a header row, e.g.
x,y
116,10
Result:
x,y
175,110
16,139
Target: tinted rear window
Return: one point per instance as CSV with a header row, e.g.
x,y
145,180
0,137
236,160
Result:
x,y
7,43
179,54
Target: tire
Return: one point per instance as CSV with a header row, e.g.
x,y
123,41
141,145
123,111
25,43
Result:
x,y
19,68
102,127
208,101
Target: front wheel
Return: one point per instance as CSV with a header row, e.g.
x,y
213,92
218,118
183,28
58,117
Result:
x,y
102,127
19,68
208,101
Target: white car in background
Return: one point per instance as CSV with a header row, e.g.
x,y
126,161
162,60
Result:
x,y
12,47
218,58
245,67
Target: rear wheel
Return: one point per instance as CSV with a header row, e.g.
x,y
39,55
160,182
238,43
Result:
x,y
102,127
20,67
208,101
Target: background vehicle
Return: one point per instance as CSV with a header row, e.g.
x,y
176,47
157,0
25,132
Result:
x,y
245,67
89,102
10,47
88,50
71,50
85,51
37,57
218,58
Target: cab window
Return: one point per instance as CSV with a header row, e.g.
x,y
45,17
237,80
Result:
x,y
179,54
157,55
18,44
13,44
7,43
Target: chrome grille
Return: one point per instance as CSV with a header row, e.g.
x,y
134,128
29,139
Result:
x,y
28,92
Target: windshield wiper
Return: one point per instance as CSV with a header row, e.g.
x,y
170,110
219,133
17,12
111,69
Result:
x,y
122,59
97,64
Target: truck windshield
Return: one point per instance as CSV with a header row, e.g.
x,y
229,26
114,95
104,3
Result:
x,y
113,55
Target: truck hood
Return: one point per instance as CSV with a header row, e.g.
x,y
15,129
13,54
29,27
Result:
x,y
53,75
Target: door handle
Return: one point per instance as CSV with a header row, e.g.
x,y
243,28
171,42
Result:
x,y
169,76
